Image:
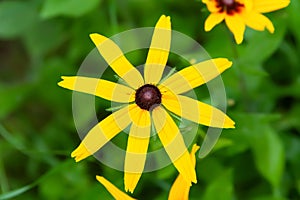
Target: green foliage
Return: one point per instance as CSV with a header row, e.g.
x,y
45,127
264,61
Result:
x,y
265,145
16,17
42,40
72,8
221,187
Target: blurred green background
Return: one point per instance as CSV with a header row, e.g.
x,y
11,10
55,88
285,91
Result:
x,y
42,40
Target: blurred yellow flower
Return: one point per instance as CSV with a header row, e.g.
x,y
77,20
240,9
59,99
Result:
x,y
147,100
241,13
181,188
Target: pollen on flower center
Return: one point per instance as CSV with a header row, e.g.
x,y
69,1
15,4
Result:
x,y
229,6
147,97
228,2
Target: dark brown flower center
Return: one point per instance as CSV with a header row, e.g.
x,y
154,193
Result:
x,y
147,97
229,6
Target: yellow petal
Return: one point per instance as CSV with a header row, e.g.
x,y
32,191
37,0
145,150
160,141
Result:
x,y
98,87
248,5
113,190
159,51
258,21
264,6
103,132
195,148
136,152
237,26
173,143
212,20
196,111
196,75
211,5
181,188
135,116
118,62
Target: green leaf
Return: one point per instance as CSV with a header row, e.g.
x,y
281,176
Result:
x,y
209,164
17,192
12,97
269,155
222,143
220,188
220,42
269,198
265,144
294,20
44,37
11,139
15,17
254,51
71,8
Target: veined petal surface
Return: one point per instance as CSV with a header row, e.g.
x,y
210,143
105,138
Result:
x,y
159,51
113,190
117,61
196,75
98,87
181,188
136,152
103,132
173,143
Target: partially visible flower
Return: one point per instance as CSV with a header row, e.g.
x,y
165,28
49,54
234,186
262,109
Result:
x,y
181,188
241,13
113,190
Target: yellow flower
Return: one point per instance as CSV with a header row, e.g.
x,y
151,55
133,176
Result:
x,y
181,188
148,100
239,13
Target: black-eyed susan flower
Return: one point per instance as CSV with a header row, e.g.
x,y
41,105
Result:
x,y
241,13
181,188
148,100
